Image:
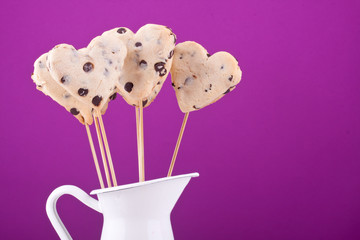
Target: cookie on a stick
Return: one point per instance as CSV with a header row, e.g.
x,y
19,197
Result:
x,y
147,64
200,79
90,75
46,84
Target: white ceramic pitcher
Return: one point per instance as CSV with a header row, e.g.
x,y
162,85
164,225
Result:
x,y
138,211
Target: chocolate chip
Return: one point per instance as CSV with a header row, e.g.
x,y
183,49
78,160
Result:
x,y
173,84
138,44
106,72
121,30
208,55
171,54
188,81
74,111
88,67
112,97
66,96
144,102
160,68
227,91
41,64
174,38
96,100
83,92
143,64
158,83
195,107
179,87
128,86
64,79
206,90
194,76
231,78
163,72
222,67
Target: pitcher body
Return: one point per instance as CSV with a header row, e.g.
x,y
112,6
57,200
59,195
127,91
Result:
x,y
134,211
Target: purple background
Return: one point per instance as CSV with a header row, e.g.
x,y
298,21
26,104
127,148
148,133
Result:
x,y
278,158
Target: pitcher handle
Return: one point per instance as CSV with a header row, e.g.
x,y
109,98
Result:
x,y
52,212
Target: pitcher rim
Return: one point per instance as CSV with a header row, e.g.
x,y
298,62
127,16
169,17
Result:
x,y
137,184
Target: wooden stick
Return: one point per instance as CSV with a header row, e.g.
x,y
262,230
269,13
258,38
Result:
x,y
94,155
138,142
141,124
107,148
178,144
102,152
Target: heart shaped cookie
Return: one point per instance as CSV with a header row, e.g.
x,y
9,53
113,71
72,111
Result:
x,y
200,79
147,63
46,84
89,74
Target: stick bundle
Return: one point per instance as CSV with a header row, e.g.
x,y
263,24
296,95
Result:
x,y
94,156
102,151
105,152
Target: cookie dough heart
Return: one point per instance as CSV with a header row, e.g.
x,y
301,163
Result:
x,y
46,84
147,63
89,74
200,79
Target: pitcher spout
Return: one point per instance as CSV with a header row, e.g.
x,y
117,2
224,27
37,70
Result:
x,y
157,196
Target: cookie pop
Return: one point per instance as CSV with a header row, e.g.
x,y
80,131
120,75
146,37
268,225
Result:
x,y
46,84
147,64
200,79
88,77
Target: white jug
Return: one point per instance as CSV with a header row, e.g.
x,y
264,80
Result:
x,y
138,211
